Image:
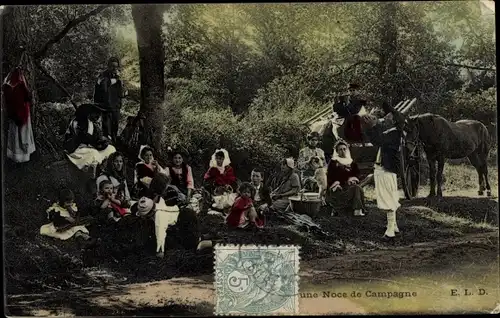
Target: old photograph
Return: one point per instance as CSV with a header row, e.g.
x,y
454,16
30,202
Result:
x,y
250,159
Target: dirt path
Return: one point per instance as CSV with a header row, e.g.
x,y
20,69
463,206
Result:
x,y
429,269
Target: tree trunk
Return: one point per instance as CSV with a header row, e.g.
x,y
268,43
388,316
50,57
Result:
x,y
388,47
148,20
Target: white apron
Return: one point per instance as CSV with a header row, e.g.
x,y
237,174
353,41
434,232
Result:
x,y
164,217
14,149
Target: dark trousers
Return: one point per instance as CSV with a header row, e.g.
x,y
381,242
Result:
x,y
110,120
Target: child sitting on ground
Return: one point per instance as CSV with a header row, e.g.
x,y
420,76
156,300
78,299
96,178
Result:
x,y
109,203
65,221
243,212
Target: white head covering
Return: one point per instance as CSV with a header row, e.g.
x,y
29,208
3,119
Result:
x,y
290,162
344,161
140,150
226,162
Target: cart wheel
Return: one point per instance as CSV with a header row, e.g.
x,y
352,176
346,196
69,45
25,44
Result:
x,y
410,172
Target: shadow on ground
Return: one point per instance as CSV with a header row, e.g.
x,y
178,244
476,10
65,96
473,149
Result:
x,y
475,209
80,304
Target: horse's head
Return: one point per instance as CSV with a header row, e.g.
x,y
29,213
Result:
x,y
412,129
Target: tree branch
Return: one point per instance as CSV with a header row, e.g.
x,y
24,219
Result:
x,y
354,65
457,65
469,67
46,73
41,53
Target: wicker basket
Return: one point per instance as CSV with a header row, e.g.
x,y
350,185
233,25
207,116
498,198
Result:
x,y
301,205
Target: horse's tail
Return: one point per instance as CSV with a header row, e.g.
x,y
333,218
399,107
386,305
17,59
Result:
x,y
486,140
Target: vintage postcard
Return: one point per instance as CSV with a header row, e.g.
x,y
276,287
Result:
x,y
244,159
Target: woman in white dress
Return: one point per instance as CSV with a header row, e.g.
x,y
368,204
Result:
x,y
84,143
17,99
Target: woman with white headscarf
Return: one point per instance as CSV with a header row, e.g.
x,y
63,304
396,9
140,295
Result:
x,y
344,192
288,187
220,174
145,170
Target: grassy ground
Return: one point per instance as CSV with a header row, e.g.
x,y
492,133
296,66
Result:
x,y
38,265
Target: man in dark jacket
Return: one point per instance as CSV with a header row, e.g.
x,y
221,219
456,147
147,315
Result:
x,y
348,107
351,103
262,192
109,92
387,136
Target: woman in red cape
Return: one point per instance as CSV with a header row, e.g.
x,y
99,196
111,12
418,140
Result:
x,y
220,174
17,97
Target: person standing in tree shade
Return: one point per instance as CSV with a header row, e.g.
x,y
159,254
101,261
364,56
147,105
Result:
x,y
108,92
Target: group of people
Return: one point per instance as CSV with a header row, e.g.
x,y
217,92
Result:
x,y
161,193
338,181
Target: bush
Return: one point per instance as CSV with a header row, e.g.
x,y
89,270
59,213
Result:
x,y
270,131
480,106
251,141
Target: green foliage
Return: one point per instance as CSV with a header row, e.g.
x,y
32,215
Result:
x,y
275,65
252,141
481,106
78,57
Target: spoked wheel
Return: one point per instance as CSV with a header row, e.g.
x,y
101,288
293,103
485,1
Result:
x,y
410,171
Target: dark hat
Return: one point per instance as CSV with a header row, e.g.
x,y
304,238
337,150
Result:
x,y
92,107
113,59
85,110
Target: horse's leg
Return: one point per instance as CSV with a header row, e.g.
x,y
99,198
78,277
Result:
x,y
432,176
483,156
439,176
487,183
483,160
476,162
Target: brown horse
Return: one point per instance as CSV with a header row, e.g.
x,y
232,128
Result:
x,y
442,140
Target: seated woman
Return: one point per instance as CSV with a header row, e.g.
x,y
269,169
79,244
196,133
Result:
x,y
344,192
181,174
220,176
243,212
65,221
115,172
289,186
145,170
83,141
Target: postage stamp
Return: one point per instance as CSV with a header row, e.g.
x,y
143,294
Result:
x,y
256,280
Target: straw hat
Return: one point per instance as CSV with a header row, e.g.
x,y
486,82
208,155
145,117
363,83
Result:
x,y
143,206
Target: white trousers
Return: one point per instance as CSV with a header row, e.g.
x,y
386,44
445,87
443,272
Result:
x,y
386,190
164,216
